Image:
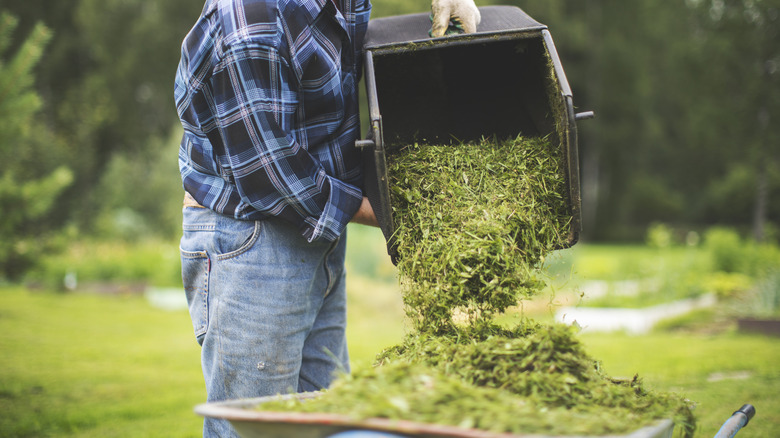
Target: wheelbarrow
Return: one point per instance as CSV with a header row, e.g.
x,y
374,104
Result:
x,y
251,422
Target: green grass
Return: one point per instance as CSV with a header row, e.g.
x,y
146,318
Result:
x,y
89,365
79,365
95,366
375,316
720,373
85,365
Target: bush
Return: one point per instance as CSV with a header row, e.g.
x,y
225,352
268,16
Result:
x,y
726,249
763,301
727,285
148,262
730,253
141,194
659,236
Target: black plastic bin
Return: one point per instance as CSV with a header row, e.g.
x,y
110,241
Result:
x,y
502,81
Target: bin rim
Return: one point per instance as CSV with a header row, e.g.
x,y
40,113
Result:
x,y
496,24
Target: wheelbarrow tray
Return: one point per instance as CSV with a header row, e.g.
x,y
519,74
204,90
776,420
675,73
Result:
x,y
251,422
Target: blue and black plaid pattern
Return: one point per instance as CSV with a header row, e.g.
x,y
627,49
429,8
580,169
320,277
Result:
x,y
267,94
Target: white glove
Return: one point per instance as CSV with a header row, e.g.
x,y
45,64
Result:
x,y
464,12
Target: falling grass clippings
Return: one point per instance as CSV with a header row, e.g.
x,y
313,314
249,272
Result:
x,y
474,223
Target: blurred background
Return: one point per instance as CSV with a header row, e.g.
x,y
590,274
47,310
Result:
x,y
680,176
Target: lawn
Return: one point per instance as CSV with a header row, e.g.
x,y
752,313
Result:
x,y
96,365
719,373
84,365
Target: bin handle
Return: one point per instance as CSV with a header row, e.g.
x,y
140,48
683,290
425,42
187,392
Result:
x,y
362,144
584,115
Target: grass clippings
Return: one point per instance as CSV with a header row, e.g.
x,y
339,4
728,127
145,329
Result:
x,y
538,381
474,224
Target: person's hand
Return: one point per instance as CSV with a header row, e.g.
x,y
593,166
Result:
x,y
464,12
365,214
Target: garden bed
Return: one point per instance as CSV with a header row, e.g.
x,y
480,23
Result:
x,y
770,327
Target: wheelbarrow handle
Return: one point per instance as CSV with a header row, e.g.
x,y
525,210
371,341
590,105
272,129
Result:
x,y
737,421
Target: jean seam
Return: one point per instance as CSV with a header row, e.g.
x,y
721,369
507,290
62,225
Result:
x,y
193,254
245,247
205,296
203,290
328,270
197,227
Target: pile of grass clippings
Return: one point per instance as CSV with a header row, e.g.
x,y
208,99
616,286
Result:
x,y
474,223
502,385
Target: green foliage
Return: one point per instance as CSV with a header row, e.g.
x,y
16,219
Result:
x,y
152,208
738,272
398,7
617,263
29,184
367,256
628,276
664,146
25,204
18,100
726,248
725,197
727,284
686,97
107,81
88,264
659,236
731,253
763,300
652,197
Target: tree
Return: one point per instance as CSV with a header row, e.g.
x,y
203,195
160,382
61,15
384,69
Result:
x,y
108,85
686,96
741,58
30,181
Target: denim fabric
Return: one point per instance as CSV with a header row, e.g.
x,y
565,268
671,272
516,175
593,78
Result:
x,y
267,307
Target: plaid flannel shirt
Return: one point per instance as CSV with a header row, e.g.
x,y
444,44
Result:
x,y
266,91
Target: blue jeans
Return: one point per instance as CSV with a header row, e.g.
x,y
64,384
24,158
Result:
x,y
267,307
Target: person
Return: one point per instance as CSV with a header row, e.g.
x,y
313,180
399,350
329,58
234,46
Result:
x,y
266,91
